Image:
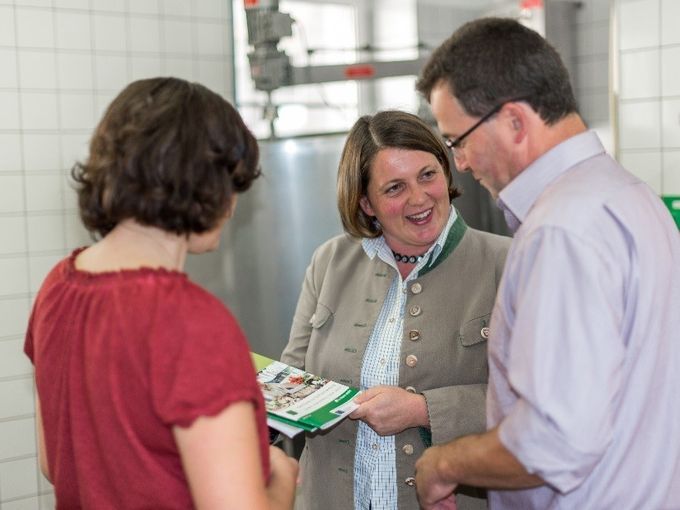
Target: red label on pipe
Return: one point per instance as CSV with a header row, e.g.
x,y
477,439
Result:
x,y
250,3
359,71
531,4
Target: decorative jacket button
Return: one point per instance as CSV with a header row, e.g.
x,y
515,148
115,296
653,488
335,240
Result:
x,y
416,288
407,449
415,311
414,335
411,389
410,481
411,360
484,332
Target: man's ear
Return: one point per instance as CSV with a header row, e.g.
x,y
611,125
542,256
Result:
x,y
366,206
517,121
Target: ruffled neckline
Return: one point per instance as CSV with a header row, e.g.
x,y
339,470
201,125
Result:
x,y
127,273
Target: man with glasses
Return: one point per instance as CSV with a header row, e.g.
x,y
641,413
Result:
x,y
583,404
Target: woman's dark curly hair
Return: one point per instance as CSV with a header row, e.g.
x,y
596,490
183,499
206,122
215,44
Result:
x,y
168,154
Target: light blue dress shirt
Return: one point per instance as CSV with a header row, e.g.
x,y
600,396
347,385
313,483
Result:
x,y
375,471
584,353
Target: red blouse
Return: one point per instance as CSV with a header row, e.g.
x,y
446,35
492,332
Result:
x,y
120,358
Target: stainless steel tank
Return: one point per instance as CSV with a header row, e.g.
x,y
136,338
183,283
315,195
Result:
x,y
267,245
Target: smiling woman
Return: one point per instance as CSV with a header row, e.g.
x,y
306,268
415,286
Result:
x,y
398,306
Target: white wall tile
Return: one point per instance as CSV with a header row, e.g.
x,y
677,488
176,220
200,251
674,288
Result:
x,y
73,30
7,35
640,76
13,273
76,234
46,233
14,313
670,75
16,399
10,153
77,111
102,102
108,5
13,363
72,4
176,7
671,173
639,125
144,7
10,110
8,64
111,72
74,71
39,266
47,501
74,147
32,503
109,32
39,110
670,120
36,3
638,24
18,438
212,8
599,10
145,67
43,192
70,197
12,240
11,194
35,28
670,16
19,478
145,34
211,37
177,36
37,70
41,152
645,165
180,68
213,75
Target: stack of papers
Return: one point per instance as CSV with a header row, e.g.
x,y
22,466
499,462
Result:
x,y
298,401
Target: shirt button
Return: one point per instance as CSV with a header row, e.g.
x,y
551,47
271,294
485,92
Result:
x,y
415,311
416,288
407,449
374,446
410,481
391,319
411,360
410,389
383,361
484,332
414,335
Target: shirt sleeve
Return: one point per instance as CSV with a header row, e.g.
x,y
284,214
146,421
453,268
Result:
x,y
565,356
200,360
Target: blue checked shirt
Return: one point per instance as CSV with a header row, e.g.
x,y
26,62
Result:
x,y
375,470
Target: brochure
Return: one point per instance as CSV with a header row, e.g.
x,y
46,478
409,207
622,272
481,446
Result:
x,y
298,401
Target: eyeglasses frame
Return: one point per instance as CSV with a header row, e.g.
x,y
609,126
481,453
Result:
x,y
454,143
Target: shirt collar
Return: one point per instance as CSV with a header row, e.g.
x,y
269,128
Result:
x,y
517,198
377,245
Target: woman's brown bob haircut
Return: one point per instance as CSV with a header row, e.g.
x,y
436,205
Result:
x,y
369,135
169,154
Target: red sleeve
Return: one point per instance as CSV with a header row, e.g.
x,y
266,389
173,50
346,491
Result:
x,y
200,360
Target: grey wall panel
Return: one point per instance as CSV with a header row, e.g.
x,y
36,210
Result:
x,y
267,245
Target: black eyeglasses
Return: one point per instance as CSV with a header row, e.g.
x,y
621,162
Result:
x,y
454,143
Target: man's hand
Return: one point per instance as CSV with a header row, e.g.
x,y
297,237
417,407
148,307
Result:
x,y
434,493
389,410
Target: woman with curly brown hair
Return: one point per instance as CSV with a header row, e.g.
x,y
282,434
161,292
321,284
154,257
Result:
x,y
146,395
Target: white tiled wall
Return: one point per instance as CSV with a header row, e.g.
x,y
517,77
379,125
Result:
x,y
648,91
61,63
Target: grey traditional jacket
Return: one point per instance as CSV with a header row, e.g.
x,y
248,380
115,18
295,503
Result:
x,y
443,351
